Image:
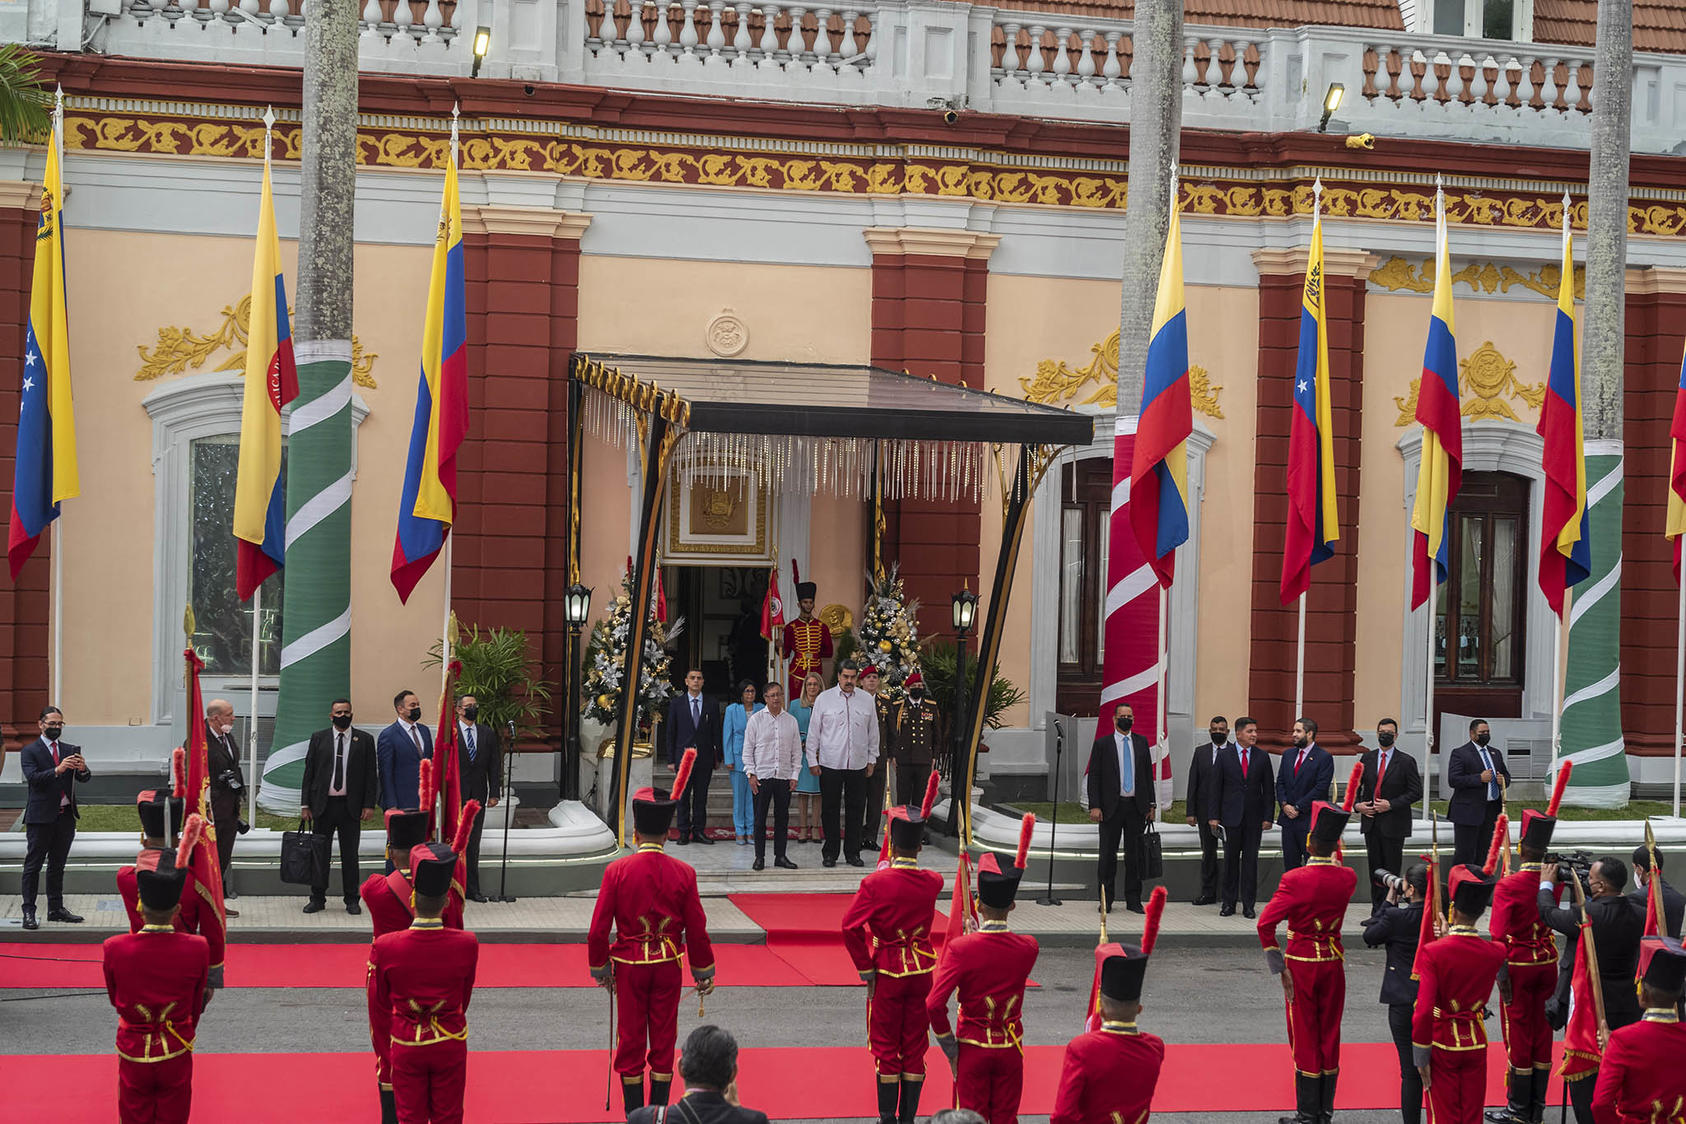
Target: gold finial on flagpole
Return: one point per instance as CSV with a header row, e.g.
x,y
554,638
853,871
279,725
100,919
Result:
x,y
188,622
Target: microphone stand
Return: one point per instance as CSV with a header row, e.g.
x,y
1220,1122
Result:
x,y
1054,824
508,813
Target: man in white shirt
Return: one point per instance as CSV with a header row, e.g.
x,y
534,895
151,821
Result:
x,y
843,734
772,760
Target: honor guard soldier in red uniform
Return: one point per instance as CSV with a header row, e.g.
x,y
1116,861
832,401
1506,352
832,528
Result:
x,y
650,899
989,968
196,913
1110,1073
1455,975
1312,899
807,642
1530,974
1642,1079
159,980
887,931
423,978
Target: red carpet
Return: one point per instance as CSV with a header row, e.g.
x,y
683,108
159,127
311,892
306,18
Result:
x,y
834,1083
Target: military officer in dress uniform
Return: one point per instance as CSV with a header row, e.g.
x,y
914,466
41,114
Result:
x,y
916,737
650,899
1110,1074
1312,899
1530,976
197,913
390,900
989,968
887,930
423,978
1641,1079
807,641
1455,976
159,980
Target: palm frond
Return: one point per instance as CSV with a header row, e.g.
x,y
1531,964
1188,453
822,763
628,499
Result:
x,y
24,104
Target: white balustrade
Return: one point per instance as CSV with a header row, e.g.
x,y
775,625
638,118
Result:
x,y
752,42
1525,79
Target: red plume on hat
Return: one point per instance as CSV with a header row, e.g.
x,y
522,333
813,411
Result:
x,y
178,773
1150,928
1026,826
465,826
1352,785
1563,772
190,833
930,800
1501,836
682,775
424,788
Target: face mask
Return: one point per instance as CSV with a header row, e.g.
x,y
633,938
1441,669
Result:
x,y
415,714
470,713
1219,739
1384,738
1124,724
342,721
53,733
916,695
1483,739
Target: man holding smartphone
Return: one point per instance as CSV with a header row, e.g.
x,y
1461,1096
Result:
x,y
51,771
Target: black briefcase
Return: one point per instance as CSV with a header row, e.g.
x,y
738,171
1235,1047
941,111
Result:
x,y
304,857
1153,855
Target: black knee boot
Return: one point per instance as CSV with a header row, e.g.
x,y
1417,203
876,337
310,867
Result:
x,y
632,1093
1308,1101
910,1100
888,1093
1519,1087
659,1087
1539,1083
1326,1085
389,1107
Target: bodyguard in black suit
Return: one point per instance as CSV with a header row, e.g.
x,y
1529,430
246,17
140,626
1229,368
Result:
x,y
480,769
339,790
1120,775
1477,776
693,720
1243,802
1674,904
1307,772
1386,808
1202,795
1399,927
51,771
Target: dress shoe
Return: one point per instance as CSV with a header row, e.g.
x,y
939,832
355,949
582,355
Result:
x,y
1206,899
29,921
315,907
870,845
828,863
855,860
684,840
226,912
759,864
353,908
1135,907
699,837
784,863
64,915
1249,913
477,896
1227,911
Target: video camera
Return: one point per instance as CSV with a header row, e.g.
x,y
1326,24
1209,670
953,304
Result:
x,y
1388,880
1577,863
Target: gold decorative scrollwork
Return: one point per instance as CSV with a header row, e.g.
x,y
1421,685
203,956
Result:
x,y
1486,381
1397,274
180,350
1056,383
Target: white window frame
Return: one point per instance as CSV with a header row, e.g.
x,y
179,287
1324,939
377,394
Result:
x,y
1521,19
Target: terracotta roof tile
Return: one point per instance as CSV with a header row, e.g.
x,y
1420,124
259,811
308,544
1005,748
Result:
x,y
1658,25
1382,14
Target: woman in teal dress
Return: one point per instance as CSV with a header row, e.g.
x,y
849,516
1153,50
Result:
x,y
808,781
732,729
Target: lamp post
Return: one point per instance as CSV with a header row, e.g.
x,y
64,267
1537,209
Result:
x,y
577,609
964,606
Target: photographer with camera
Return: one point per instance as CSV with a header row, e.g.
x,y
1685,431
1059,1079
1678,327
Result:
x,y
1398,926
228,786
1530,978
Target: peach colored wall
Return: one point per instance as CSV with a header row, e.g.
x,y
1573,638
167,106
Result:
x,y
837,553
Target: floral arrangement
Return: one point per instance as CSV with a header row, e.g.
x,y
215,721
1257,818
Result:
x,y
888,637
605,654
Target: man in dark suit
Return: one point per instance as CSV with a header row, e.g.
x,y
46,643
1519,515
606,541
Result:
x,y
399,751
227,785
1399,927
1674,903
1477,776
1307,772
693,721
709,1066
1202,792
51,771
480,765
1120,775
1242,803
1391,785
338,794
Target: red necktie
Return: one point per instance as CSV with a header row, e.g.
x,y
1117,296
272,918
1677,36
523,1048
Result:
x,y
1381,771
1244,755
1298,761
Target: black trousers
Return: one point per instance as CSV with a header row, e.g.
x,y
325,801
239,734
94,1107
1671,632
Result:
x,y
1410,1081
872,810
227,829
911,779
474,853
1241,863
693,802
1383,854
1470,841
1211,873
1580,1092
776,793
49,844
1293,842
842,796
1126,824
342,819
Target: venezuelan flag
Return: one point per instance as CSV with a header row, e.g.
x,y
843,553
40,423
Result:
x,y
1159,460
45,470
272,381
1677,472
1441,470
1313,523
428,504
1565,549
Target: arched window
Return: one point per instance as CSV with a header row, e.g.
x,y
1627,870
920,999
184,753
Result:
x,y
1085,503
1481,610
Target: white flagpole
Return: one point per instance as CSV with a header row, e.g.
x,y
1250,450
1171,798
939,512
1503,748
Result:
x,y
1557,684
1428,723
1299,665
58,535
252,726
1164,719
1679,683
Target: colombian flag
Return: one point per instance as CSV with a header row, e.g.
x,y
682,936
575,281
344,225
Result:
x,y
1159,463
1441,470
1312,521
272,381
1565,549
429,501
1677,472
45,472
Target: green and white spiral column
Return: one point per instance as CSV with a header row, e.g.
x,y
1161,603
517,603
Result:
x,y
316,617
1592,719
